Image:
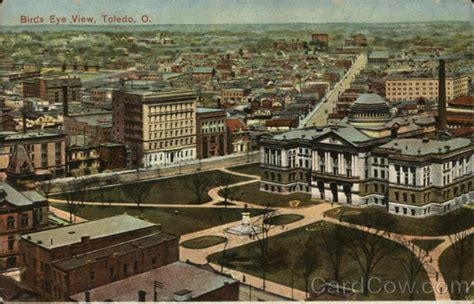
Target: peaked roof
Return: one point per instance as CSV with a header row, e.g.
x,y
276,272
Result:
x,y
20,162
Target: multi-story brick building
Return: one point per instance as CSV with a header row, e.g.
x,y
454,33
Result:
x,y
47,151
320,38
235,95
398,87
61,262
20,212
96,126
113,156
56,90
159,128
211,132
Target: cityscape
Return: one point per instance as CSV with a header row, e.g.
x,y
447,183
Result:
x,y
226,150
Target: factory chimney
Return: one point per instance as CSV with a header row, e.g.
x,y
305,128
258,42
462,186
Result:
x,y
441,121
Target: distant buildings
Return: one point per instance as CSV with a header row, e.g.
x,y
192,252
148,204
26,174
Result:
x,y
56,90
21,212
211,132
408,87
159,128
321,39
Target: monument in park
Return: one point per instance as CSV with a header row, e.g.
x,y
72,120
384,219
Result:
x,y
246,228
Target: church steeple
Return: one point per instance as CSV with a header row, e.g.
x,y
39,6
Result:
x,y
20,167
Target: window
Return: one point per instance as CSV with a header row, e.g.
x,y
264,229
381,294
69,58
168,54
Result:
x,y
10,222
125,269
397,196
24,220
405,197
11,242
412,198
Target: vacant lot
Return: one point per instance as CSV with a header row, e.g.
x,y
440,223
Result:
x,y
173,190
177,221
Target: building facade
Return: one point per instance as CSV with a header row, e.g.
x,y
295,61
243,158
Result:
x,y
345,163
211,132
411,88
59,263
58,90
20,212
159,128
47,151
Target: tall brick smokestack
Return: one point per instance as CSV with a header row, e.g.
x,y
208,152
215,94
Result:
x,y
441,124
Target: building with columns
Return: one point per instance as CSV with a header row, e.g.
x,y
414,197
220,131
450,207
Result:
x,y
158,127
349,162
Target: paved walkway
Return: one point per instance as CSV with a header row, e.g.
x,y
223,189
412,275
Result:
x,y
64,214
311,214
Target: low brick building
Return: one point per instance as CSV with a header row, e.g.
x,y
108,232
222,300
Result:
x,y
58,263
178,282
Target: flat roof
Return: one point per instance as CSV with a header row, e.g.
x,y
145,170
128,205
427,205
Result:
x,y
416,146
174,278
72,234
208,110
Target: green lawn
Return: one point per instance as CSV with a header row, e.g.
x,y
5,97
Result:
x,y
251,194
447,263
252,169
429,226
284,219
186,220
287,248
203,242
427,245
173,190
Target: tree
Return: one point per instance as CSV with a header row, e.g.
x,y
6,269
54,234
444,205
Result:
x,y
308,261
412,264
137,192
262,239
368,249
46,188
225,180
69,192
457,225
198,185
334,246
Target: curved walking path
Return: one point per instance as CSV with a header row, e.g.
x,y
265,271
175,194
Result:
x,y
310,215
437,280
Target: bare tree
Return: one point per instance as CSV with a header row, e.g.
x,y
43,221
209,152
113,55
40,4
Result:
x,y
308,261
262,239
225,180
198,185
412,264
70,195
82,189
368,249
137,192
334,247
457,225
46,187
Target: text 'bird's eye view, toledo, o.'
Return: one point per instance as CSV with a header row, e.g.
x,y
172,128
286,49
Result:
x,y
236,151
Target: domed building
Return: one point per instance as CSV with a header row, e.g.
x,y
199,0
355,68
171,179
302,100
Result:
x,y
369,109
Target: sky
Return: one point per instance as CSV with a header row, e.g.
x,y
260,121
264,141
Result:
x,y
243,11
